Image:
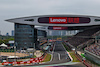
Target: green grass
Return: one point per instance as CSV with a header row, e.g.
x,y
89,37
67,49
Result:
x,y
34,56
83,55
74,57
71,53
48,58
66,47
41,51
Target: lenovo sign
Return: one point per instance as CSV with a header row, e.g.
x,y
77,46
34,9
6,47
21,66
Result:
x,y
63,20
57,20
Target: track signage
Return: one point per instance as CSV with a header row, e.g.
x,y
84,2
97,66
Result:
x,y
57,28
64,20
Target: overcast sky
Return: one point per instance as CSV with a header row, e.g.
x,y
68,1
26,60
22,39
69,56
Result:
x,y
21,8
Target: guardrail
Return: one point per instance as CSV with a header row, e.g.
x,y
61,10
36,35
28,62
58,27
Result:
x,y
43,43
88,65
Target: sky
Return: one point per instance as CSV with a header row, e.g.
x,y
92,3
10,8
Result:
x,y
22,8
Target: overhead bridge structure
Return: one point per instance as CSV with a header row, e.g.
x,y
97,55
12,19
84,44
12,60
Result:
x,y
58,20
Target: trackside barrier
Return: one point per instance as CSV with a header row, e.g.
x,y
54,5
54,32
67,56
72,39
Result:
x,y
83,61
21,63
44,57
31,61
78,58
5,63
87,64
70,56
43,43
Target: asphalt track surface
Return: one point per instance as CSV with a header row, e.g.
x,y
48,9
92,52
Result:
x,y
60,56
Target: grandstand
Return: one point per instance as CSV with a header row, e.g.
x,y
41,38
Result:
x,y
95,49
92,52
83,36
87,39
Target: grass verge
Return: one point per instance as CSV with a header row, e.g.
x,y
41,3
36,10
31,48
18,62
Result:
x,y
47,58
71,53
73,56
66,47
34,56
41,51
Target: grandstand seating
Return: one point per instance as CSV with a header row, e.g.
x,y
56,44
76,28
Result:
x,y
79,37
88,32
95,49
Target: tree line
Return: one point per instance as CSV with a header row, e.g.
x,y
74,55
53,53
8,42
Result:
x,y
5,39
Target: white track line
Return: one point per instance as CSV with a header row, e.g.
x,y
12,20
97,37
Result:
x,y
59,56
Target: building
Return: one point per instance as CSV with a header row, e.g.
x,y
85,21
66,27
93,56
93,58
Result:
x,y
42,33
24,36
42,28
12,33
63,33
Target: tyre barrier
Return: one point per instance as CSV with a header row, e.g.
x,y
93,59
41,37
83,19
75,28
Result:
x,y
31,61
